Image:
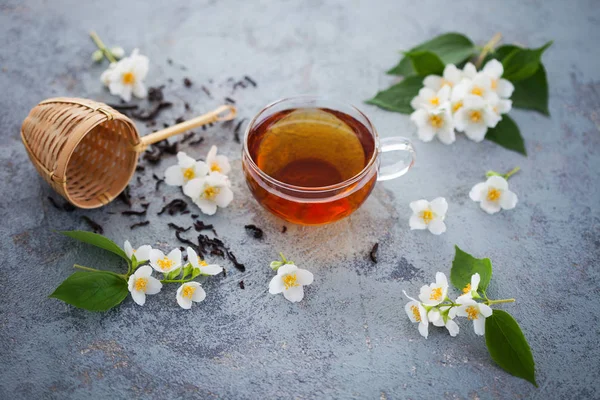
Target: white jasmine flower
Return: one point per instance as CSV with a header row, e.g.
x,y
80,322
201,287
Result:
x,y
429,215
127,76
469,71
475,117
457,98
502,87
142,253
436,292
493,195
186,169
451,76
431,99
189,292
417,313
142,283
203,266
470,290
118,52
217,163
434,122
440,317
290,280
499,106
165,264
476,312
209,192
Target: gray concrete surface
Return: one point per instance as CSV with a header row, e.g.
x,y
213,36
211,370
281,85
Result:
x,y
350,337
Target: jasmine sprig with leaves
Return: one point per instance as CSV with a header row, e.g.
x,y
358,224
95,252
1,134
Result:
x,y
503,336
444,90
100,290
112,55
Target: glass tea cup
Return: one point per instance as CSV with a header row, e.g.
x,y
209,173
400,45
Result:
x,y
311,160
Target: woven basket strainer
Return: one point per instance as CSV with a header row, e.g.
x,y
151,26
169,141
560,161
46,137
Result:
x,y
87,151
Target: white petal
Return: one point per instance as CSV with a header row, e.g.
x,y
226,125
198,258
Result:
x,y
476,132
201,169
437,226
477,191
224,197
433,82
206,206
504,88
128,249
409,311
441,280
126,93
138,297
304,277
140,68
276,285
192,257
174,176
469,71
410,298
479,326
466,301
143,272
460,119
115,86
426,133
490,207
420,117
417,223
223,164
475,279
508,200
439,206
419,205
504,106
184,160
424,330
474,102
435,317
490,117
211,154
139,90
153,286
452,74
464,297
131,282
452,327
212,269
425,293
444,93
485,310
497,182
183,302
143,253
193,188
294,294
446,134
199,295
493,69
175,256
286,269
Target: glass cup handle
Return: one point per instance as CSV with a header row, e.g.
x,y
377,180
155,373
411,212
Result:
x,y
400,167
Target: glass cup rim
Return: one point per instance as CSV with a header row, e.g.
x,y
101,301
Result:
x,y
318,189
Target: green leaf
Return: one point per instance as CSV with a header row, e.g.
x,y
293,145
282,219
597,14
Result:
x,y
397,98
187,270
464,265
532,93
451,48
173,274
195,272
507,135
522,63
504,51
96,240
508,347
426,63
92,291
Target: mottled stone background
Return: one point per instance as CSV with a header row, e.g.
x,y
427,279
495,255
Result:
x,y
350,337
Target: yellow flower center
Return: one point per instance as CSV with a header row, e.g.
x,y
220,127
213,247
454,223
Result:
x,y
494,83
128,78
475,116
435,101
445,82
416,313
436,121
467,288
493,194
189,173
188,291
140,284
472,312
436,294
202,262
289,281
210,192
427,216
165,263
214,167
457,106
477,91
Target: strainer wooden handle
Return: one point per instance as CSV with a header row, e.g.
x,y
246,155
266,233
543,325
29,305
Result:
x,y
223,113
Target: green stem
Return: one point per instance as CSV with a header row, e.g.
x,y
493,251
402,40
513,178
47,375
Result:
x,y
506,175
490,302
98,270
489,46
102,47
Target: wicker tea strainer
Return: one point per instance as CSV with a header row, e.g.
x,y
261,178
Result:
x,y
87,151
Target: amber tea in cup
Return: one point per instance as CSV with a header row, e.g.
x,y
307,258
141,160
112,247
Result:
x,y
313,161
